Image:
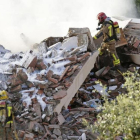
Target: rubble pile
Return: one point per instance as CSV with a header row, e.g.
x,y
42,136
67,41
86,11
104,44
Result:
x,y
37,82
53,87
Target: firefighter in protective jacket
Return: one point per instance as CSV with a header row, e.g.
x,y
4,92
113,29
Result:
x,y
110,32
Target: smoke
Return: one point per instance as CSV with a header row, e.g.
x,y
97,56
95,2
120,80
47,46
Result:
x,y
39,19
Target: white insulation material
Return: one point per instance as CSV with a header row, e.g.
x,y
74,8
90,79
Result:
x,y
26,98
53,58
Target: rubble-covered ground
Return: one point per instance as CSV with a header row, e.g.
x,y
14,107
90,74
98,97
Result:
x,y
53,87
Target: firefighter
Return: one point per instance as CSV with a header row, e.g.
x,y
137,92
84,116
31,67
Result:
x,y
110,37
6,109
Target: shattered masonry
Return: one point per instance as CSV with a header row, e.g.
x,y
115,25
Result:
x,y
52,89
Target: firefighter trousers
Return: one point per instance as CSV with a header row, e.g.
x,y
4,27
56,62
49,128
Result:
x,y
110,47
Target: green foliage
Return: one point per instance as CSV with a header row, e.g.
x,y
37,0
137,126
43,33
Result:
x,y
120,117
137,2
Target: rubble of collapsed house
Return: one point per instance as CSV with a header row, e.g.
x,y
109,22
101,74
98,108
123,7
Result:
x,y
131,52
41,84
51,90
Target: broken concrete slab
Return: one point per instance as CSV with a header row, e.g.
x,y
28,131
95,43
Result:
x,y
29,60
99,72
61,119
77,82
77,31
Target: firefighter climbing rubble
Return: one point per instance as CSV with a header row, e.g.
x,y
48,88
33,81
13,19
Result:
x,y
111,34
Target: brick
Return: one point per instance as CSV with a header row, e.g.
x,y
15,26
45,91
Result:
x,y
16,82
33,62
88,85
105,71
40,92
60,94
21,133
29,60
49,74
16,89
29,84
73,70
55,76
113,94
74,58
71,63
59,60
37,109
53,80
54,85
22,75
65,71
136,44
42,86
70,69
84,56
41,65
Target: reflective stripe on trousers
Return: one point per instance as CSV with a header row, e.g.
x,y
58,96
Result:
x,y
9,109
116,61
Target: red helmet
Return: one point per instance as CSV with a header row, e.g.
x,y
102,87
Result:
x,y
101,17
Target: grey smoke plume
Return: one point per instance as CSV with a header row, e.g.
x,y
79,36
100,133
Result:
x,y
39,19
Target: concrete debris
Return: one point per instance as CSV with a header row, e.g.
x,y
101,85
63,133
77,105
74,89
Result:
x,y
79,31
53,89
131,52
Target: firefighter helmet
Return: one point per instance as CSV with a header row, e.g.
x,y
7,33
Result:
x,y
101,17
